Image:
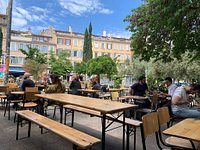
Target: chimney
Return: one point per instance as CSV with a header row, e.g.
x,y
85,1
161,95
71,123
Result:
x,y
29,31
70,29
104,33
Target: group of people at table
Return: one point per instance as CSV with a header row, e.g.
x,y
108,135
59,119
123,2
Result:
x,y
178,100
178,97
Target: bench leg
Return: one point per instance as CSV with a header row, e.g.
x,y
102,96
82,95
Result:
x,y
29,128
61,112
65,116
127,137
72,123
17,133
103,131
123,146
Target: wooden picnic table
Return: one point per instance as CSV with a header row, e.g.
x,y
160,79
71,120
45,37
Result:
x,y
104,107
187,129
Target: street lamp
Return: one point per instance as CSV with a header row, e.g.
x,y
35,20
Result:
x,y
8,38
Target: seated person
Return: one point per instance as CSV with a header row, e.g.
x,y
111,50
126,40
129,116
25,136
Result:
x,y
139,89
75,85
171,88
56,86
27,82
181,101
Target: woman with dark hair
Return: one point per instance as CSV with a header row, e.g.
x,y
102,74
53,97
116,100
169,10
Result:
x,y
75,85
56,86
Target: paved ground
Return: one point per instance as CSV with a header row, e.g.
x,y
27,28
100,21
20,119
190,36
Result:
x,y
49,141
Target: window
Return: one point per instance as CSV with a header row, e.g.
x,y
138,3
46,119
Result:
x,y
127,47
122,57
102,46
96,45
41,39
82,43
75,54
16,60
115,46
34,38
20,46
58,51
121,47
59,41
95,54
44,49
13,46
75,42
67,41
109,46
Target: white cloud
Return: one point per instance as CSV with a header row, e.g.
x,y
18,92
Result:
x,y
121,34
3,6
78,7
19,22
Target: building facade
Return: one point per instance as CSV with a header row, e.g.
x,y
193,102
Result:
x,y
54,40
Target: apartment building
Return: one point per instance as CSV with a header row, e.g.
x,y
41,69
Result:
x,y
57,41
72,42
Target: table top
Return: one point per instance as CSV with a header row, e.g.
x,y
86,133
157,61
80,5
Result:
x,y
115,90
197,98
188,129
89,90
134,97
18,92
105,107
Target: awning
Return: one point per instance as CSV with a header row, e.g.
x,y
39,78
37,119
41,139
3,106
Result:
x,y
16,69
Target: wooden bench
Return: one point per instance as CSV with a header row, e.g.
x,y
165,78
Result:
x,y
80,140
130,123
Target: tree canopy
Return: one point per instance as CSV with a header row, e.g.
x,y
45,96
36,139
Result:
x,y
102,65
80,68
34,54
166,29
87,47
61,64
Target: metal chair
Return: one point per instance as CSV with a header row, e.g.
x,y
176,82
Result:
x,y
175,142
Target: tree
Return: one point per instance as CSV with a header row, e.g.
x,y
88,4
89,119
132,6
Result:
x,y
90,42
61,64
165,29
36,62
1,41
87,47
80,68
102,65
34,54
35,68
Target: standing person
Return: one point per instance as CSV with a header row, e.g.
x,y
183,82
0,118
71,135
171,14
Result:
x,y
139,89
171,89
181,101
27,82
75,85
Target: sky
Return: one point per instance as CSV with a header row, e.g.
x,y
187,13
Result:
x,y
105,15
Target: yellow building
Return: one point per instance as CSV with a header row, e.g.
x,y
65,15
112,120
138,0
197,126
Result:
x,y
56,40
116,48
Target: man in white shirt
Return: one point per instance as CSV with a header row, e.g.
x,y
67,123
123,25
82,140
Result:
x,y
181,101
171,88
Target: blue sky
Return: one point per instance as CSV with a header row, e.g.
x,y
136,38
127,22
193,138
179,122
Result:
x,y
105,15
